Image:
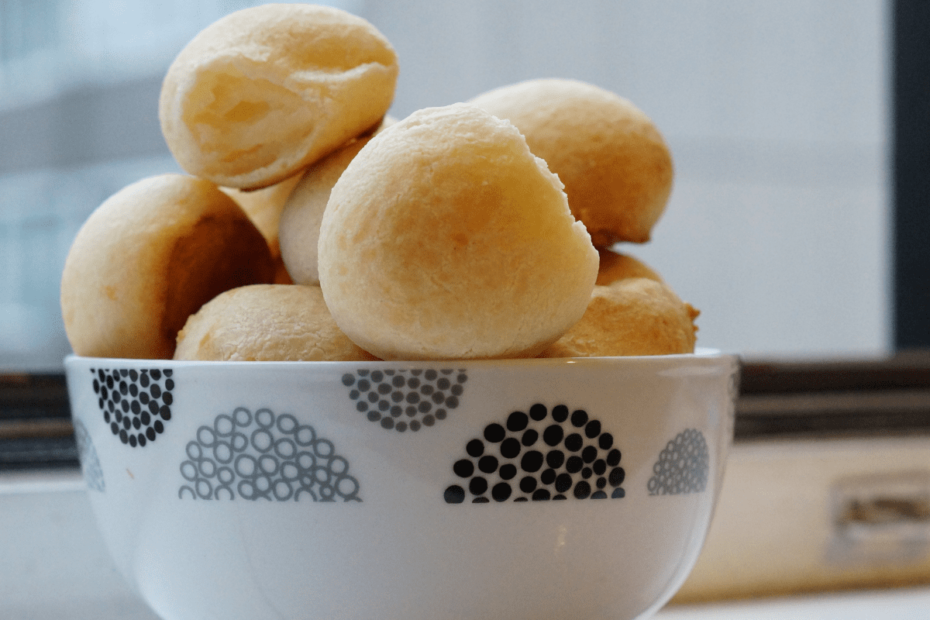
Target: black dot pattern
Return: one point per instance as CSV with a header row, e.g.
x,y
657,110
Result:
x,y
135,403
403,400
683,466
90,464
264,456
539,455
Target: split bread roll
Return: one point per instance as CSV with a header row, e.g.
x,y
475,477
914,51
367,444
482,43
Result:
x,y
615,165
616,266
150,256
445,238
302,214
271,322
265,91
635,316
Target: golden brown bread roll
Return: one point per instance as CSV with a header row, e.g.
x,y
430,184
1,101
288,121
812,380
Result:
x,y
148,258
615,165
615,266
265,91
269,322
446,238
299,229
635,316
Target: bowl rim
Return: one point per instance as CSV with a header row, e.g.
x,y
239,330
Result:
x,y
700,355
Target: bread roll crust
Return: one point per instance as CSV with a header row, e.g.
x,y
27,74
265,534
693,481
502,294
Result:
x,y
271,322
616,266
266,91
149,257
634,316
445,238
615,165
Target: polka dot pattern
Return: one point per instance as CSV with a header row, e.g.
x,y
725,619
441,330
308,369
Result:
x,y
539,455
264,456
406,399
683,466
90,463
135,403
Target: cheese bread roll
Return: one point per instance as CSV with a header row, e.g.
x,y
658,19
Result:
x,y
266,91
271,322
148,258
445,238
635,316
615,165
618,266
302,214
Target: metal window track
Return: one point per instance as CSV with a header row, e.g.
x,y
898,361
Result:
x,y
781,400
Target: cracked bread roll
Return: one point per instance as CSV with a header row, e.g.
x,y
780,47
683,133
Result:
x,y
615,165
265,91
302,214
633,316
272,322
150,256
616,266
445,238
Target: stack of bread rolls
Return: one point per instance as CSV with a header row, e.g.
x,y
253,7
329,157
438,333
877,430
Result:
x,y
311,226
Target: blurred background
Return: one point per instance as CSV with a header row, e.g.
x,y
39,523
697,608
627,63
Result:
x,y
779,228
798,225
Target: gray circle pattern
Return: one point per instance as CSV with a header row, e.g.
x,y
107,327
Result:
x,y
264,456
408,399
683,466
90,464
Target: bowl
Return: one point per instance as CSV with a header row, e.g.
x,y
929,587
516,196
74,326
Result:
x,y
543,488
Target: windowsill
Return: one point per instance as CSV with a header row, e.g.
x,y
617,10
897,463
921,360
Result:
x,y
53,565
904,604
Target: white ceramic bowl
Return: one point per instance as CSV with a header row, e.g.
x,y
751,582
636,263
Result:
x,y
404,490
